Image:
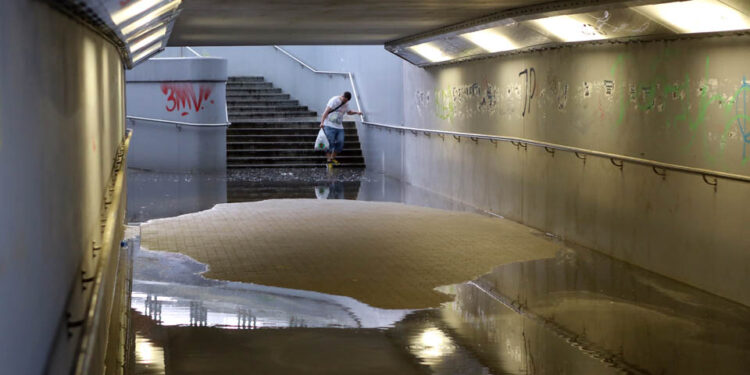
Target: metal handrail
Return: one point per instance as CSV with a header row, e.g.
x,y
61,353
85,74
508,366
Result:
x,y
348,74
180,123
193,51
617,160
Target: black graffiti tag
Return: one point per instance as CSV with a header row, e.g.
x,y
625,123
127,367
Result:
x,y
530,74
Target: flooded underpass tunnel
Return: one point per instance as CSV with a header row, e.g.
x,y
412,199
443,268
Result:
x,y
374,187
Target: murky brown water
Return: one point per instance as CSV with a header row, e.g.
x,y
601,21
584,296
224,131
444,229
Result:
x,y
577,313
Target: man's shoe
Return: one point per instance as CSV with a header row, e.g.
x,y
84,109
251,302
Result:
x,y
335,162
329,166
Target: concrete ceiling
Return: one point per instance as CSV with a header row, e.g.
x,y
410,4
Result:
x,y
289,22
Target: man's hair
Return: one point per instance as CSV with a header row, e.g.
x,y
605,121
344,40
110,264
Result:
x,y
348,95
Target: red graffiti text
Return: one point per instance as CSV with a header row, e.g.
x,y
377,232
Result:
x,y
181,97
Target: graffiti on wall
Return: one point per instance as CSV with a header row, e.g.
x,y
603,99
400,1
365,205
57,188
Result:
x,y
706,115
741,116
530,89
181,97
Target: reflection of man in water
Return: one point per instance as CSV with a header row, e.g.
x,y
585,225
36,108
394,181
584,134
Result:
x,y
332,124
336,190
333,188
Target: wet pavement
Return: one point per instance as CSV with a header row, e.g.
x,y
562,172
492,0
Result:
x,y
156,195
578,312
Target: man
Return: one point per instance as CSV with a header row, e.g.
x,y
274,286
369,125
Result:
x,y
332,124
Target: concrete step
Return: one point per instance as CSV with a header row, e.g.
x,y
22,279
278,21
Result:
x,y
270,129
243,115
258,102
241,92
235,79
292,123
282,145
292,165
282,138
249,85
257,97
262,108
275,153
279,131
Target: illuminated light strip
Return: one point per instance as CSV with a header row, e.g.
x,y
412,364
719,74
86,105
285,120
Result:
x,y
133,10
490,40
430,52
147,52
568,29
155,35
150,17
696,16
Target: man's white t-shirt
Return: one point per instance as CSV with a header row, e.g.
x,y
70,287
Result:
x,y
335,119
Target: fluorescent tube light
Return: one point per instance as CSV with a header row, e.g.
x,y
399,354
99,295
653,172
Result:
x,y
568,29
147,52
490,40
133,10
697,16
430,52
148,40
127,30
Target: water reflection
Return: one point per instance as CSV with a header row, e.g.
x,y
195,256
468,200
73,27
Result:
x,y
578,313
154,195
149,356
537,315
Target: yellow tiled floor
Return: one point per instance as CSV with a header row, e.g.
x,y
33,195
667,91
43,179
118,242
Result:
x,y
387,255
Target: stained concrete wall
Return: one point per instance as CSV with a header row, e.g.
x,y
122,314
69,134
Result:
x,y
188,90
679,102
61,122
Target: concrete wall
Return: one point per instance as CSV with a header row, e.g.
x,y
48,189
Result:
x,y
190,90
679,102
61,122
377,73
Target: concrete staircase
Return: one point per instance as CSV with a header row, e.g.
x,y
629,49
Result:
x,y
270,130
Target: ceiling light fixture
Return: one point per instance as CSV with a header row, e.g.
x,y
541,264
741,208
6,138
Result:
x,y
133,10
148,40
145,20
568,29
430,52
147,52
697,16
490,40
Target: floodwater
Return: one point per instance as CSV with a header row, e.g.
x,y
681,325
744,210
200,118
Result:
x,y
579,312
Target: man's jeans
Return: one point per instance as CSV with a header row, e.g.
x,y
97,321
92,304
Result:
x,y
335,138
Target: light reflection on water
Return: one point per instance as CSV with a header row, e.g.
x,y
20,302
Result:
x,y
578,313
149,356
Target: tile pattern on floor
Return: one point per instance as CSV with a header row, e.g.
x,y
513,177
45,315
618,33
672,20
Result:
x,y
387,255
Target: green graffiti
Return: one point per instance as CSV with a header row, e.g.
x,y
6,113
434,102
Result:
x,y
444,107
655,93
622,103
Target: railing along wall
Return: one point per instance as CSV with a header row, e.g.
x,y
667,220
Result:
x,y
346,74
177,123
710,177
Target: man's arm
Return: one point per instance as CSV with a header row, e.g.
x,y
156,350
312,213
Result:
x,y
325,115
353,113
